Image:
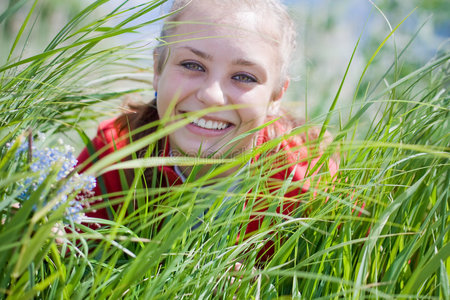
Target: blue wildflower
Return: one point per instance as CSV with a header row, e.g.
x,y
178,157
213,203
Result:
x,y
62,157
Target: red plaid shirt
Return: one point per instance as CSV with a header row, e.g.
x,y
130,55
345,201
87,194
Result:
x,y
108,135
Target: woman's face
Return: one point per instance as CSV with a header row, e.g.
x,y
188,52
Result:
x,y
218,65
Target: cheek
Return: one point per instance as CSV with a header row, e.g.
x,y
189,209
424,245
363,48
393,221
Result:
x,y
255,101
254,116
166,94
160,108
255,108
176,86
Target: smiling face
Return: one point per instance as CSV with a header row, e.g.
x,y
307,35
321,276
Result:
x,y
217,65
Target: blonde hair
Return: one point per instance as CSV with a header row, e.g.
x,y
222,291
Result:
x,y
285,33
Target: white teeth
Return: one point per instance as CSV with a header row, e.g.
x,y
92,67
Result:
x,y
216,125
201,123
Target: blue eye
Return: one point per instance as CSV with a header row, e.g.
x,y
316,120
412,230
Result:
x,y
193,66
245,78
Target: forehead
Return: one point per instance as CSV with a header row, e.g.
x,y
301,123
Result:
x,y
209,18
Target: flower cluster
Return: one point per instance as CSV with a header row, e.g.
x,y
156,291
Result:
x,y
60,157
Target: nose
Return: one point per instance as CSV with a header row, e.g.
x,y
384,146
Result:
x,y
212,93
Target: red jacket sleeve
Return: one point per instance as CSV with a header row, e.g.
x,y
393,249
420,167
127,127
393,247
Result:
x,y
105,142
294,162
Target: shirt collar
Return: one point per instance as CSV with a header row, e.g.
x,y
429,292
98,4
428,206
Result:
x,y
174,174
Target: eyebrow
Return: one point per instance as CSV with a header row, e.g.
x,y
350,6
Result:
x,y
204,55
244,62
199,53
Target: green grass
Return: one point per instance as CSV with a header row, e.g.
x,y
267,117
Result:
x,y
379,230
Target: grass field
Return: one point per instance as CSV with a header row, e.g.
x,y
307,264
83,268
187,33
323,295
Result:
x,y
378,229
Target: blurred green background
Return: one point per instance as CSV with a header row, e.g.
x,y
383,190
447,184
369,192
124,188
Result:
x,y
329,31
